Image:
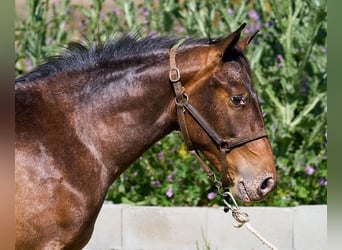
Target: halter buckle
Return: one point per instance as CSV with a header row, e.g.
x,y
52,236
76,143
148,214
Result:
x,y
174,75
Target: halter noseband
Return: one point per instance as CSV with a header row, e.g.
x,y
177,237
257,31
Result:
x,y
224,145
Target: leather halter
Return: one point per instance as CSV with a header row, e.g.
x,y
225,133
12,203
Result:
x,y
224,145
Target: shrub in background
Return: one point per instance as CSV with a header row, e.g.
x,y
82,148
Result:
x,y
288,60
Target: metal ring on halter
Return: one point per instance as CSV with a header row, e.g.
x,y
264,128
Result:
x,y
182,104
225,146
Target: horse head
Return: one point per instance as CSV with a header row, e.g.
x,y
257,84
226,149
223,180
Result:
x,y
218,83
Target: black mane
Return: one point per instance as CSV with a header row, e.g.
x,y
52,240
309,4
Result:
x,y
77,57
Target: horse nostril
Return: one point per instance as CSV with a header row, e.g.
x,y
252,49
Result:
x,y
267,185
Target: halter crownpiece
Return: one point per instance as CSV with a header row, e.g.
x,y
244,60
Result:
x,y
224,145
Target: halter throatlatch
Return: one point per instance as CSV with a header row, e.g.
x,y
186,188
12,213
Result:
x,y
224,145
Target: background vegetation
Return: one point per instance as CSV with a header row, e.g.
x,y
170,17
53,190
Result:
x,y
288,60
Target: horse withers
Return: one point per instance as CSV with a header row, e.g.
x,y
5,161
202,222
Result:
x,y
82,118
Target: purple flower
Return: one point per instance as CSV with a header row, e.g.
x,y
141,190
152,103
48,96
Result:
x,y
169,192
28,64
211,195
156,183
48,41
117,11
281,60
322,181
160,155
280,57
269,24
252,28
102,15
146,12
153,34
230,11
169,178
309,170
253,15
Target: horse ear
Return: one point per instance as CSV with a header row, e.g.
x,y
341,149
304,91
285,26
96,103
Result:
x,y
227,43
243,43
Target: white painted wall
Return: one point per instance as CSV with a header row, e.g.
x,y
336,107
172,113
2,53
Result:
x,y
126,227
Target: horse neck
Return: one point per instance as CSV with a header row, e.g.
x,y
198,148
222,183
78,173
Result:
x,y
119,115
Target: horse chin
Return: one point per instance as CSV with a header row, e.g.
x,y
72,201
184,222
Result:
x,y
240,192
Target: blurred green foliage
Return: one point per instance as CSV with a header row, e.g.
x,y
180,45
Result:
x,y
288,60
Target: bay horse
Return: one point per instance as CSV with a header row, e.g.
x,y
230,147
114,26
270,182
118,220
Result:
x,y
83,117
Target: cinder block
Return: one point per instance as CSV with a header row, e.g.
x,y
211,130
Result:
x,y
108,229
156,228
273,224
310,227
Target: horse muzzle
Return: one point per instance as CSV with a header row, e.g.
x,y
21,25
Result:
x,y
249,190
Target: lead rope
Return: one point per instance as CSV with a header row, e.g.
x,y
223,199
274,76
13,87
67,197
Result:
x,y
240,216
242,219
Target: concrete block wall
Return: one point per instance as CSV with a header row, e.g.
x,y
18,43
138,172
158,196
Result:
x,y
125,227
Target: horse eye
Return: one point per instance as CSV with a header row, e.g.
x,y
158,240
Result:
x,y
238,100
